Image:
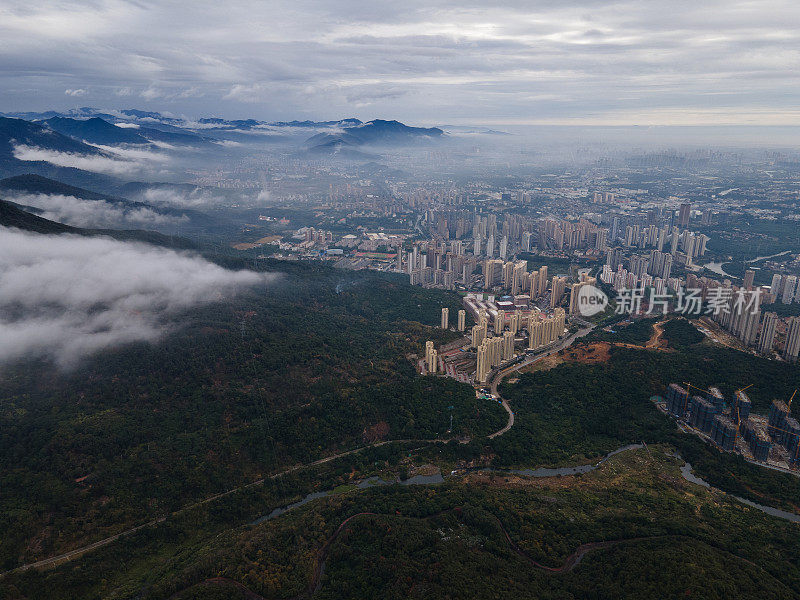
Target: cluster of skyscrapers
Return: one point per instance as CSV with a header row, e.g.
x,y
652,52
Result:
x,y
497,346
709,414
743,317
784,288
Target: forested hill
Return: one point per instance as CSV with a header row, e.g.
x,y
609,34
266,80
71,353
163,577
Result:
x,y
313,365
13,215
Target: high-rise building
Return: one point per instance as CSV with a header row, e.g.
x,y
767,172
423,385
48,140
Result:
x,y
477,335
775,289
573,296
492,271
533,283
433,360
767,337
789,285
519,275
514,322
508,274
542,280
499,322
462,320
445,318
483,366
495,351
749,276
508,345
557,293
792,347
430,357
684,214
534,332
560,318
749,327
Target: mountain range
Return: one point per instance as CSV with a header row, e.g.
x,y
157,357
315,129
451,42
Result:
x,y
143,126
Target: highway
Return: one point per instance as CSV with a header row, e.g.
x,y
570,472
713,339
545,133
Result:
x,y
500,375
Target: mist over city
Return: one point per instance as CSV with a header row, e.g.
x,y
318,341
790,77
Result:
x,y
437,300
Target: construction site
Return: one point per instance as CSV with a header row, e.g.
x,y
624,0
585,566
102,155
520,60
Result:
x,y
728,423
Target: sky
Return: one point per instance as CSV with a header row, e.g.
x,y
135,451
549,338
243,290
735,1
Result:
x,y
580,63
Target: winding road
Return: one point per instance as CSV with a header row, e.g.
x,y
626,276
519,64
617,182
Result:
x,y
498,376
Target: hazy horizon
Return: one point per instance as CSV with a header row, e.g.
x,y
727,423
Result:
x,y
587,64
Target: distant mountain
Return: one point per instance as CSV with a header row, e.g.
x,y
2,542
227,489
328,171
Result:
x,y
142,127
98,131
235,124
36,184
336,148
318,124
377,133
78,113
184,220
177,138
12,215
18,132
95,131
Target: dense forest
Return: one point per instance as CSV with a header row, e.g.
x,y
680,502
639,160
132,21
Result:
x,y
633,528
320,364
313,365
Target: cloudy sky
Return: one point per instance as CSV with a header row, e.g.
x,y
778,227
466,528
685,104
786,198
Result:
x,y
583,62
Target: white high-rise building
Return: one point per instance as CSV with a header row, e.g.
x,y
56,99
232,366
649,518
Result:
x,y
767,337
445,318
508,345
792,348
789,289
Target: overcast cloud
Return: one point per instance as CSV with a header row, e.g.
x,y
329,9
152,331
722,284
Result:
x,y
586,61
65,297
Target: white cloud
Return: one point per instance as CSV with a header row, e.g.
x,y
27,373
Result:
x,y
95,213
76,92
127,125
65,297
116,160
86,162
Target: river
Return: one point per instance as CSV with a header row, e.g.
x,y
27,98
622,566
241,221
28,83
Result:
x,y
436,479
716,267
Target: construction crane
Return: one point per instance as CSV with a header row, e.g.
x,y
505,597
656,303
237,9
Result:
x,y
687,384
